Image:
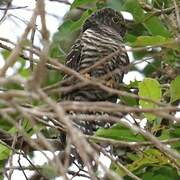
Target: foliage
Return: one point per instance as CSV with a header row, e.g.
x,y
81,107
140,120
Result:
x,y
145,90
119,132
174,89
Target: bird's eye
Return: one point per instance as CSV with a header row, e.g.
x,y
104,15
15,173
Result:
x,y
115,20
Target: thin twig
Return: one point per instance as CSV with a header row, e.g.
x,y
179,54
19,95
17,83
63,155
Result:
x,y
16,51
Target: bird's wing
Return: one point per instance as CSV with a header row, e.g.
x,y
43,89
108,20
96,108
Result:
x,y
74,56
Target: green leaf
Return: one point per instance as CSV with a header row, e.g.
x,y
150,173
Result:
x,y
149,157
53,77
70,26
149,40
170,58
155,26
78,3
5,53
156,40
152,23
28,127
22,61
133,84
164,134
1,174
5,124
49,171
135,29
24,72
66,35
161,173
77,24
119,132
149,88
152,67
130,38
4,152
130,101
175,89
115,4
135,9
65,29
175,133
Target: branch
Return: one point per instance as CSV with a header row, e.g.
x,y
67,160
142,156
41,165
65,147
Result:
x,y
16,51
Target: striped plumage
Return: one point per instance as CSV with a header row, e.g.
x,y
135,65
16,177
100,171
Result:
x,y
101,35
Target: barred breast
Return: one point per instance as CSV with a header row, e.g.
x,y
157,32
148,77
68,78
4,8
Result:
x,y
96,45
93,46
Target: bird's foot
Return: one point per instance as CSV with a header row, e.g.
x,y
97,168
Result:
x,y
87,76
110,83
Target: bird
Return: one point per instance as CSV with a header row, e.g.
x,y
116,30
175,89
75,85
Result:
x,y
101,36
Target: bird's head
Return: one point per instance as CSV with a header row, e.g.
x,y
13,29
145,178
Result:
x,y
107,17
